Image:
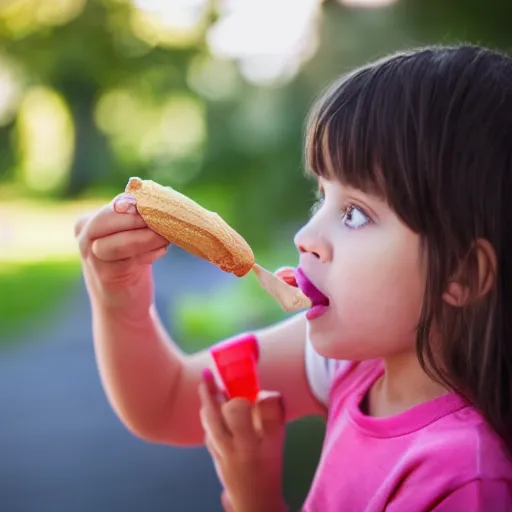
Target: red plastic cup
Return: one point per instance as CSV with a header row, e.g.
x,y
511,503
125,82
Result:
x,y
236,363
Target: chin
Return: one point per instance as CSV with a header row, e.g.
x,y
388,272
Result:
x,y
326,344
331,346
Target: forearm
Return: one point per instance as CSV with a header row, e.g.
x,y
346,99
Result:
x,y
153,386
139,366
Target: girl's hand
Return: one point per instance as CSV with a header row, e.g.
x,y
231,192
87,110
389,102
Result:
x,y
117,250
246,444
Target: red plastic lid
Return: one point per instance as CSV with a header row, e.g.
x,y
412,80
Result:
x,y
236,363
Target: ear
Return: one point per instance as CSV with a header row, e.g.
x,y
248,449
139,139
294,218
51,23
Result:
x,y
458,293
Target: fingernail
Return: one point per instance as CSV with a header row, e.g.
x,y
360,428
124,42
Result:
x,y
125,204
207,374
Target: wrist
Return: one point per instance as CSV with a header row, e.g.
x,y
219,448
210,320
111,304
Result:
x,y
134,297
131,312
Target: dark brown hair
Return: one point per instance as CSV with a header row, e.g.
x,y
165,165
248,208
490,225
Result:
x,y
431,132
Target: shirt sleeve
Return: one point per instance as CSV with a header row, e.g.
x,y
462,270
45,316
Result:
x,y
320,372
479,496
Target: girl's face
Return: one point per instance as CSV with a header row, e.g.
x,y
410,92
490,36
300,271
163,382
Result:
x,y
368,263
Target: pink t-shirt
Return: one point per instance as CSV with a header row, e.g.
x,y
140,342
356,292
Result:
x,y
440,455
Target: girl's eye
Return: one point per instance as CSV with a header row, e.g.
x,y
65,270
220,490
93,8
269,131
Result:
x,y
355,218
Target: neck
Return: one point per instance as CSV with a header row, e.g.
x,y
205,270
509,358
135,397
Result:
x,y
403,386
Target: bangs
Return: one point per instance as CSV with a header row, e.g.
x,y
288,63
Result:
x,y
362,134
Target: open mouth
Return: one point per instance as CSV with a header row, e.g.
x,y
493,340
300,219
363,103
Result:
x,y
310,290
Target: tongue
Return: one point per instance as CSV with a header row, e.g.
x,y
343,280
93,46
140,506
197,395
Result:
x,y
287,274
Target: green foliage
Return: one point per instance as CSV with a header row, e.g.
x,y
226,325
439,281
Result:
x,y
30,291
252,153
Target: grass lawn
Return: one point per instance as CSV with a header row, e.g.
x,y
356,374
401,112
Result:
x,y
39,258
29,291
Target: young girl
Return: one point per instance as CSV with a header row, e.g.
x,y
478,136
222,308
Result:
x,y
409,350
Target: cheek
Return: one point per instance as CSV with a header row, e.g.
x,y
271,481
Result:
x,y
381,295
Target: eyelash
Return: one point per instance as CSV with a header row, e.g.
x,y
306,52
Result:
x,y
350,208
346,211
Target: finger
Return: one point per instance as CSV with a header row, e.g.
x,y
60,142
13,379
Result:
x,y
216,458
117,271
269,413
107,222
237,414
124,203
127,244
113,272
217,440
150,257
213,422
226,502
212,447
211,385
211,395
81,223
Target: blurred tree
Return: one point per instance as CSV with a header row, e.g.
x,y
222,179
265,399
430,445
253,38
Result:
x,y
472,21
81,59
233,145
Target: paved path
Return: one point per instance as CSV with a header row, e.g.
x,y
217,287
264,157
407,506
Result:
x,y
61,447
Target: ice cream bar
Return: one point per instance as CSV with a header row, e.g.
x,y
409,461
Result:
x,y
236,363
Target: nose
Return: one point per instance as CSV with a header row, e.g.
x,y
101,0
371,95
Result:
x,y
311,240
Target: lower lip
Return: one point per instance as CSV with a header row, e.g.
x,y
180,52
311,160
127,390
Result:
x,y
316,311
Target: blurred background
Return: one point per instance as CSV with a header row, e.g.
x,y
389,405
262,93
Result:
x,y
208,97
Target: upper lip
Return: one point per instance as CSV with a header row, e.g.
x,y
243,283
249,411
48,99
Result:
x,y
309,289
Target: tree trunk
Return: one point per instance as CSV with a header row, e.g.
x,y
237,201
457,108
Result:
x,y
92,157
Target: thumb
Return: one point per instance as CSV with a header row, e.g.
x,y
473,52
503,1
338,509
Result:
x,y
270,416
226,502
